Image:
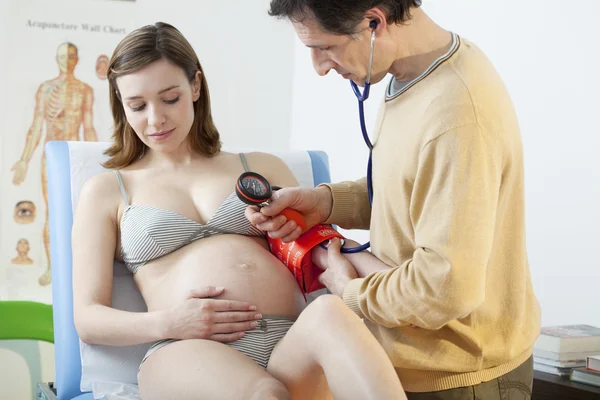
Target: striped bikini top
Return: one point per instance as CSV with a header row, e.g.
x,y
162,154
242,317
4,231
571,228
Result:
x,y
148,233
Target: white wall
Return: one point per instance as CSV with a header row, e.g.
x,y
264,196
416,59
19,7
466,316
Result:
x,y
547,52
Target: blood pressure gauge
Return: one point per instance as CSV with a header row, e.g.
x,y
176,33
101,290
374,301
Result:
x,y
254,189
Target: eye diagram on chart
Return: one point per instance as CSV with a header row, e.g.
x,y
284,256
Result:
x,y
24,212
63,105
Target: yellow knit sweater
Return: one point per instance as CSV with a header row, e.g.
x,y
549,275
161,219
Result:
x,y
448,217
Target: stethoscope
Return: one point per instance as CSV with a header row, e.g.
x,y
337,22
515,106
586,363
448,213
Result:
x,y
361,97
252,188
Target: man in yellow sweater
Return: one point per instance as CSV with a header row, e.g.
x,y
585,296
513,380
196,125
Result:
x,y
446,288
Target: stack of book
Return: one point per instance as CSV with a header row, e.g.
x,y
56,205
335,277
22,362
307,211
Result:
x,y
561,349
590,374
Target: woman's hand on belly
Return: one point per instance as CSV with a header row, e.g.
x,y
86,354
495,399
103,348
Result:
x,y
201,317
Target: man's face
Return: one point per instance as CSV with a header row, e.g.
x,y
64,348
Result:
x,y
348,56
66,57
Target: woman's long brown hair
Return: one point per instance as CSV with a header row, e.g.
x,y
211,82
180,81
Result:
x,y
138,49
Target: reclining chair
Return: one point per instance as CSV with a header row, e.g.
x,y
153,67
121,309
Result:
x,y
84,370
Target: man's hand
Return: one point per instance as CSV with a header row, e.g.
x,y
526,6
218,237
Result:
x,y
337,270
314,204
364,262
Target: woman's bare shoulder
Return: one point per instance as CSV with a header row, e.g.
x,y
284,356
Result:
x,y
100,191
271,167
101,183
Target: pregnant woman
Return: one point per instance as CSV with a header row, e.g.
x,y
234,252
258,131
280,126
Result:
x,y
225,318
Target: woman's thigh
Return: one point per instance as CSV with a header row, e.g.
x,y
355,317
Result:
x,y
203,369
329,339
294,360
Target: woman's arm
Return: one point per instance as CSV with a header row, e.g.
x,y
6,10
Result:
x,y
94,239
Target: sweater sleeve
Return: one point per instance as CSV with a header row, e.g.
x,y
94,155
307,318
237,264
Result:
x,y
453,212
351,208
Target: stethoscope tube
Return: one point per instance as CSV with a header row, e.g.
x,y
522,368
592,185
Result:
x,y
361,97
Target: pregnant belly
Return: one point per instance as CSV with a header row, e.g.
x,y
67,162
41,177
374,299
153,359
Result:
x,y
242,265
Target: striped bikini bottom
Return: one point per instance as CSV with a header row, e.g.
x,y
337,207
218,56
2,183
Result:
x,y
257,343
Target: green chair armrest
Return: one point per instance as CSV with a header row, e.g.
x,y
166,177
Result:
x,y
26,320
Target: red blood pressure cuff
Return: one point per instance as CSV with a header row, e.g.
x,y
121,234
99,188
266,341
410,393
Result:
x,y
297,255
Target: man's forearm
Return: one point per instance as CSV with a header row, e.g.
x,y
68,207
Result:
x,y
325,200
350,204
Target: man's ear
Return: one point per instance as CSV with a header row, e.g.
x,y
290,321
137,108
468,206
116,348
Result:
x,y
377,17
197,85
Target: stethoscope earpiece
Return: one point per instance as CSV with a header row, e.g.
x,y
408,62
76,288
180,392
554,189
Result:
x,y
373,24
